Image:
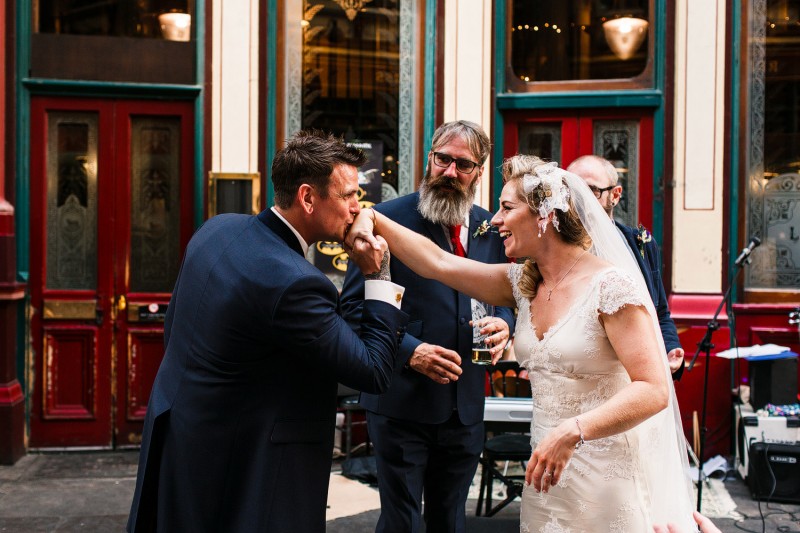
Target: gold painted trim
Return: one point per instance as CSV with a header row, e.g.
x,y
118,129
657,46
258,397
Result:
x,y
214,177
69,309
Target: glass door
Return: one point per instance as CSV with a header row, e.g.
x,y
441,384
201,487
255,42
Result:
x,y
624,137
110,215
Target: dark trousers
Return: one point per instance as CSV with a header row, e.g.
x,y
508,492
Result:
x,y
437,460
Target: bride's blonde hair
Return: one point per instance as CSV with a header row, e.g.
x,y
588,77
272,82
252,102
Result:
x,y
570,230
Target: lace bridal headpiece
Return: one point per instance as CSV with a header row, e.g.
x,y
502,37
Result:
x,y
549,189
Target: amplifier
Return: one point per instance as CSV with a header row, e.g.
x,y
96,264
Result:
x,y
774,472
773,379
768,429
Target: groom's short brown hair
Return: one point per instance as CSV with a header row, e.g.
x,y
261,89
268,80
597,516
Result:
x,y
310,157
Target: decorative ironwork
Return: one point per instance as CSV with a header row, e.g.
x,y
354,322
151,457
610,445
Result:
x,y
71,258
618,141
775,263
773,195
352,7
155,216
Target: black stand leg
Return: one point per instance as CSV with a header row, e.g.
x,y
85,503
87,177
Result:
x,y
706,346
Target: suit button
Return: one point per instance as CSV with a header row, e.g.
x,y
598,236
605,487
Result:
x,y
462,321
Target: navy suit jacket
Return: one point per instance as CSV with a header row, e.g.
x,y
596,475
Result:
x,y
650,265
240,423
438,315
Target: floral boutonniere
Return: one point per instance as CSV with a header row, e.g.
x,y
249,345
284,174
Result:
x,y
642,237
482,230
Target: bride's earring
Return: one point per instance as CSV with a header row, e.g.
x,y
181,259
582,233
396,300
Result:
x,y
542,226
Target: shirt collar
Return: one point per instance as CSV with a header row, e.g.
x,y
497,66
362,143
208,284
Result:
x,y
303,243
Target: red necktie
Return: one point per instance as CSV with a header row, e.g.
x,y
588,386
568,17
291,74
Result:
x,y
455,239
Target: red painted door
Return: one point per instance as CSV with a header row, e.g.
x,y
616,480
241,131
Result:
x,y
111,211
624,137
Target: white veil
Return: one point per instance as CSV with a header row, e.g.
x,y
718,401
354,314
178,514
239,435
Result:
x,y
663,446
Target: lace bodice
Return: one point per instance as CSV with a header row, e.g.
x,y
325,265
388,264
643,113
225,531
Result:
x,y
574,369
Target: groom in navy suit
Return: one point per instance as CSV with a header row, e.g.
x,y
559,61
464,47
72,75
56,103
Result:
x,y
602,178
428,427
233,441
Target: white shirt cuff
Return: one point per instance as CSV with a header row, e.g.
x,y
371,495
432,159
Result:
x,y
385,291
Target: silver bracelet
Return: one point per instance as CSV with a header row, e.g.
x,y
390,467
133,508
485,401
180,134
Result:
x,y
580,435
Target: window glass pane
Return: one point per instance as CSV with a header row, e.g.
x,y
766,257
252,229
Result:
x,y
541,139
774,181
155,203
353,71
345,75
121,18
577,39
71,200
618,141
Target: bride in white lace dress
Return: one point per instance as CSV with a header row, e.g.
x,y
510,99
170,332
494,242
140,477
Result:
x,y
608,452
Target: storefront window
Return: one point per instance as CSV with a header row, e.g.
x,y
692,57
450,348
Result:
x,y
773,145
576,40
145,41
352,68
167,19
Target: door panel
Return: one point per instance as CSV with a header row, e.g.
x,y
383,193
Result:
x,y
70,387
70,171
624,137
157,194
145,348
111,213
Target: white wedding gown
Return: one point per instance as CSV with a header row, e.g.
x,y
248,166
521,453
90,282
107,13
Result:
x,y
574,369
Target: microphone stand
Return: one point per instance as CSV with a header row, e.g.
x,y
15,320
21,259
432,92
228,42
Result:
x,y
705,345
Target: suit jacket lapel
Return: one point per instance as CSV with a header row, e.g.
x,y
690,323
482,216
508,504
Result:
x,y
277,226
630,237
476,247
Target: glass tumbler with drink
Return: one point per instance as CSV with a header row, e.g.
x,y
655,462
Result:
x,y
480,350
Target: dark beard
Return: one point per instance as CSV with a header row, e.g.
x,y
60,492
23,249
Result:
x,y
441,206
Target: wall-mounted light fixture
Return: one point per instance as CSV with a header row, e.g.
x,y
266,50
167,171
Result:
x,y
176,26
625,35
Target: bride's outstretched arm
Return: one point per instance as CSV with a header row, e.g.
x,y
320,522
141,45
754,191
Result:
x,y
486,282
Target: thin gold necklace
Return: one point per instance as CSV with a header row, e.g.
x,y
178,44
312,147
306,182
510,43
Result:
x,y
549,290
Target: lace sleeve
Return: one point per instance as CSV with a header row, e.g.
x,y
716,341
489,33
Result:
x,y
618,289
514,277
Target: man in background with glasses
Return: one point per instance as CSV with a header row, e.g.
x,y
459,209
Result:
x,y
602,178
428,427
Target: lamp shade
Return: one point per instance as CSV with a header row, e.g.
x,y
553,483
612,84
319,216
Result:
x,y
624,35
176,26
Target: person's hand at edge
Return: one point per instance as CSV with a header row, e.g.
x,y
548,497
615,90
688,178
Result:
x,y
675,359
705,524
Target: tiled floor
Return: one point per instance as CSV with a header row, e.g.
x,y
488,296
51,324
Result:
x,y
91,492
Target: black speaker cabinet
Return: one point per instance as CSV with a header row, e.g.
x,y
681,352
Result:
x,y
774,472
773,381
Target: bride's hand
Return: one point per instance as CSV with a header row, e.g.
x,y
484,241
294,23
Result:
x,y
551,456
362,227
497,332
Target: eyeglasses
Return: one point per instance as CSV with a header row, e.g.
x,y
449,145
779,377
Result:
x,y
465,166
598,192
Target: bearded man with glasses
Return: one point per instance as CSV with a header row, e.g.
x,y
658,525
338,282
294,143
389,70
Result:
x,y
428,427
602,178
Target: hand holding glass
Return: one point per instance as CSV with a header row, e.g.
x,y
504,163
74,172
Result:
x,y
480,349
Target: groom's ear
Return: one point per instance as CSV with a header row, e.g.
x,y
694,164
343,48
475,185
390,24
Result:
x,y
306,195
